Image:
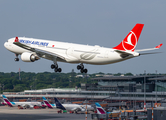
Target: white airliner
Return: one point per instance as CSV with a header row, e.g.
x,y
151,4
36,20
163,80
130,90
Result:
x,y
32,49
68,107
47,104
73,107
21,104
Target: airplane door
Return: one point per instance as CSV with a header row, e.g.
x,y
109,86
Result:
x,y
70,51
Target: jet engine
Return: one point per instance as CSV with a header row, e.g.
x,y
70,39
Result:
x,y
29,57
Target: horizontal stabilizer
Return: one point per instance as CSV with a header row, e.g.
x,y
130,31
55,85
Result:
x,y
157,47
150,53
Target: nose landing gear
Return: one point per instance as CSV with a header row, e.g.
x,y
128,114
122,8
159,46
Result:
x,y
81,68
16,59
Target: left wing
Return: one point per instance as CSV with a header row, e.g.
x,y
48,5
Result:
x,y
39,52
46,53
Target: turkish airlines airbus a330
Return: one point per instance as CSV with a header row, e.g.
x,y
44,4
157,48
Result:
x,y
32,49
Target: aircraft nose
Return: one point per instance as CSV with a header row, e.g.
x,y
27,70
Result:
x,y
5,44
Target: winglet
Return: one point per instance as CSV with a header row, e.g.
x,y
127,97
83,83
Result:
x,y
159,46
16,39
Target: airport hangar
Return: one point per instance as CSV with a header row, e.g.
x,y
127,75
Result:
x,y
112,89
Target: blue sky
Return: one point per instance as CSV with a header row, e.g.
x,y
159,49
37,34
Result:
x,y
92,22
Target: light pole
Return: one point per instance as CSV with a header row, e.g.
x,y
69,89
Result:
x,y
156,90
134,99
0,88
144,90
134,107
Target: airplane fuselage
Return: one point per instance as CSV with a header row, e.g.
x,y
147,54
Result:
x,y
26,103
74,53
73,107
32,49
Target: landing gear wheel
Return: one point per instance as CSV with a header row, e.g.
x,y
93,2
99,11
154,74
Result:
x,y
78,67
16,59
81,68
52,66
55,67
59,69
85,70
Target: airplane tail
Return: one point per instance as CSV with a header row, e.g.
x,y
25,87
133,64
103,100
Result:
x,y
59,105
130,41
7,101
46,103
100,110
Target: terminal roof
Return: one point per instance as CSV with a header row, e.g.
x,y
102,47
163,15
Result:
x,y
158,78
149,77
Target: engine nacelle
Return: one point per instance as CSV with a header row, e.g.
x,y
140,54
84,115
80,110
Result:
x,y
82,110
28,57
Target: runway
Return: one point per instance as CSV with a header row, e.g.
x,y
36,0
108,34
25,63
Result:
x,y
7,113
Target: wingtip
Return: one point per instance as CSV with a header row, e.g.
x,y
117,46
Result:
x,y
159,46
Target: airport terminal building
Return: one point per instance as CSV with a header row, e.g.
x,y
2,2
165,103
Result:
x,y
110,89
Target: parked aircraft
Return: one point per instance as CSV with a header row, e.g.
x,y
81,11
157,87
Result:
x,y
100,110
47,104
72,107
21,104
3,103
32,50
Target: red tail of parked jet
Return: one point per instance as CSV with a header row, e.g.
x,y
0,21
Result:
x,y
130,41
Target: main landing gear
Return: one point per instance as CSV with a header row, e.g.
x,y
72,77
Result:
x,y
81,68
55,67
16,59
